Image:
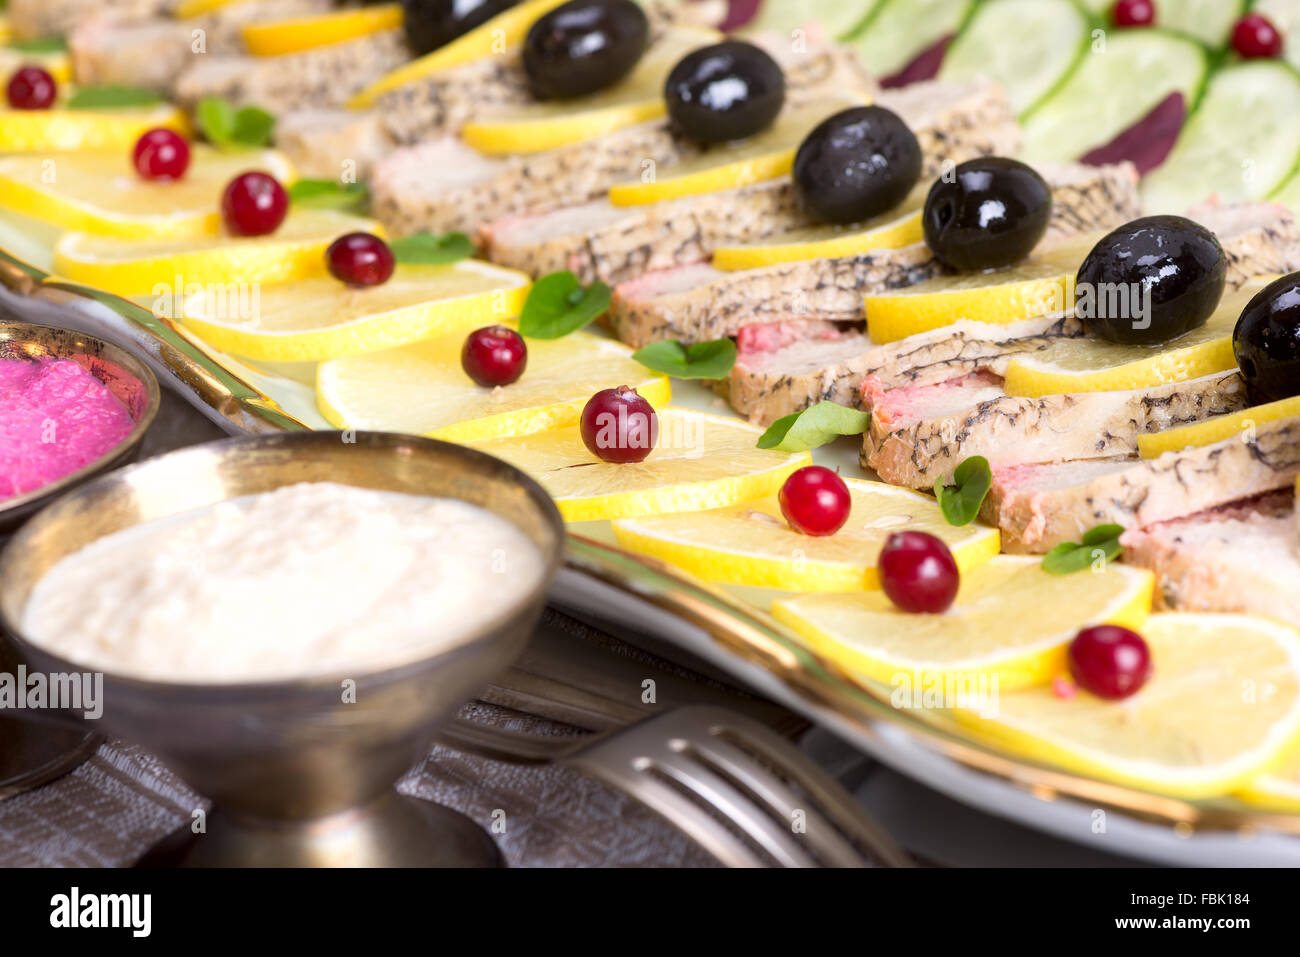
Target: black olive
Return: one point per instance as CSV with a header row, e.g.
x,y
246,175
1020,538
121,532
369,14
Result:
x,y
584,46
1151,280
986,213
434,23
724,92
1267,341
856,164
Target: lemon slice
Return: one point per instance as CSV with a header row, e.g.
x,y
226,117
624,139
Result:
x,y
1217,429
422,389
700,462
507,29
1040,286
1222,706
59,130
315,319
751,544
102,193
56,63
294,251
305,33
763,156
638,98
1277,789
1092,365
1011,624
6,28
892,230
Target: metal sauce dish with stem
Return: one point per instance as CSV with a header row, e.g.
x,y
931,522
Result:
x,y
129,380
298,775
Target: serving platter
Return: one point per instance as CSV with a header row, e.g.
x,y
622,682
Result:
x,y
679,615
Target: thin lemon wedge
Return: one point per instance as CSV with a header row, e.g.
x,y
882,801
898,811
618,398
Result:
x,y
1009,627
102,193
315,319
56,62
1222,707
1068,366
422,389
273,38
638,98
59,130
1216,429
751,543
700,462
892,230
1039,286
196,8
763,156
294,251
507,29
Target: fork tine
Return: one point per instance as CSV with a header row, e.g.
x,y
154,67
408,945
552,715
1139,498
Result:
x,y
631,761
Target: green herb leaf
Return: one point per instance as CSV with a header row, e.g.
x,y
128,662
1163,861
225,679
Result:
x,y
228,128
253,127
328,194
111,97
426,249
39,45
961,502
558,305
1069,557
704,360
813,427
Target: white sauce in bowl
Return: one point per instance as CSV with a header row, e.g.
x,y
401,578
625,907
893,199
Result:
x,y
310,579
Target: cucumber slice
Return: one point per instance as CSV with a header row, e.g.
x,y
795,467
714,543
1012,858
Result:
x,y
898,30
1210,21
1285,15
1005,40
837,17
1118,81
1242,142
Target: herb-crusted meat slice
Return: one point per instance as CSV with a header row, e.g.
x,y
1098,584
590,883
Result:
x,y
1039,506
952,123
319,78
921,434
414,190
1238,558
109,48
1259,238
663,305
39,19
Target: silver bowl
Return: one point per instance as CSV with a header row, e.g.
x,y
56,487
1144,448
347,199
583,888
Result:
x,y
298,776
129,379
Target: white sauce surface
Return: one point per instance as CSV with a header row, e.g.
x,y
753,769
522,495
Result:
x,y
314,578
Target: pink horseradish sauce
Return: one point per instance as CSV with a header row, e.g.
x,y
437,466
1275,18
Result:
x,y
55,418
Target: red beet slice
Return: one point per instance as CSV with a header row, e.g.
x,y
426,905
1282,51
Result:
x,y
1148,141
924,66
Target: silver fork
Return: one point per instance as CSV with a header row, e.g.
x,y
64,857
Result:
x,y
745,794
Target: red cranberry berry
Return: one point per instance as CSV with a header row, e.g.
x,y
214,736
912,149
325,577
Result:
x,y
619,426
494,355
1255,38
1110,661
815,501
161,154
254,204
918,572
360,259
1133,13
31,88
